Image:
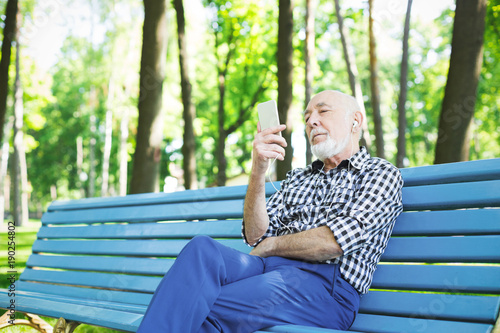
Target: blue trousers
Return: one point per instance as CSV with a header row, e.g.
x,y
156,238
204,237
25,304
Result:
x,y
213,288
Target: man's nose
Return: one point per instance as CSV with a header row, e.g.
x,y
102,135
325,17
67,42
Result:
x,y
313,120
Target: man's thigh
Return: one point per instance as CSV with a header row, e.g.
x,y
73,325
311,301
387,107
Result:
x,y
287,293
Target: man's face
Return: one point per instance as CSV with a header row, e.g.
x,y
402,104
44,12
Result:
x,y
325,117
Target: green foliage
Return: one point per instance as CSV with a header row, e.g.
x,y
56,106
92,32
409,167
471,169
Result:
x,y
90,78
486,128
247,34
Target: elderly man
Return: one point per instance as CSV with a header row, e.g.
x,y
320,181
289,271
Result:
x,y
316,241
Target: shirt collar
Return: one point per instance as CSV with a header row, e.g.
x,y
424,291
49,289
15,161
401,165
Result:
x,y
356,161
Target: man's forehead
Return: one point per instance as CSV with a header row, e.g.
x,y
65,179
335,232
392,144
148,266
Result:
x,y
318,105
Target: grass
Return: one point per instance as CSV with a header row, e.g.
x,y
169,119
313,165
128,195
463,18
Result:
x,y
24,238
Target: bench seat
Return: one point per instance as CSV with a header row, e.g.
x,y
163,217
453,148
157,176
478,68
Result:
x,y
99,260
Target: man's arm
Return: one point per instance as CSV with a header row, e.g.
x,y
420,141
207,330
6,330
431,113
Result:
x,y
316,244
267,146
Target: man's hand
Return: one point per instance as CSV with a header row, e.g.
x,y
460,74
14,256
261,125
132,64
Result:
x,y
265,248
267,145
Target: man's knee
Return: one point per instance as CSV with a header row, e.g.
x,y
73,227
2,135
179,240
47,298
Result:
x,y
200,245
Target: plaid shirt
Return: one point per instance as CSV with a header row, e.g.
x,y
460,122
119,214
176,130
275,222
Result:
x,y
358,200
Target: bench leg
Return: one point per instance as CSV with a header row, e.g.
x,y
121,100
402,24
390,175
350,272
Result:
x,y
33,321
63,326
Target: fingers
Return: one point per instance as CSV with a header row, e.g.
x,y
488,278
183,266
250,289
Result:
x,y
271,130
268,145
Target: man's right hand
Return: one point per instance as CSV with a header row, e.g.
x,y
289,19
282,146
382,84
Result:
x,y
267,145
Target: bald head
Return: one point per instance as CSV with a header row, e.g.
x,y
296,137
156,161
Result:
x,y
334,98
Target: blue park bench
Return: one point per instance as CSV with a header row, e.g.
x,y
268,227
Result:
x,y
98,261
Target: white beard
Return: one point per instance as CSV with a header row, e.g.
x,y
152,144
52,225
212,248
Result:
x,y
328,147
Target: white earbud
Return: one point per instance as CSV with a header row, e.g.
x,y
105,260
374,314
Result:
x,y
355,124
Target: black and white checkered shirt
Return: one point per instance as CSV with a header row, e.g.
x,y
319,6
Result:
x,y
358,200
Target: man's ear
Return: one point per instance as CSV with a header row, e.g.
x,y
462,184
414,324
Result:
x,y
358,120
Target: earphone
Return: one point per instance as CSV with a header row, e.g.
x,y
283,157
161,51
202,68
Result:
x,y
355,124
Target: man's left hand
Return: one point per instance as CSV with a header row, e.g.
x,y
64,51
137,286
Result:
x,y
265,248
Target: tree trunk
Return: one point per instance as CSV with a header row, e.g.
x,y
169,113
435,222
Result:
x,y
146,169
285,80
461,87
374,85
107,153
92,174
82,177
352,70
220,154
189,112
20,173
403,89
4,162
310,46
123,151
9,35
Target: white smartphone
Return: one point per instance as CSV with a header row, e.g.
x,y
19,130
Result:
x,y
268,115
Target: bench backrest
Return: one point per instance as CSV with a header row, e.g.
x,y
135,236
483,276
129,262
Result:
x,y
440,271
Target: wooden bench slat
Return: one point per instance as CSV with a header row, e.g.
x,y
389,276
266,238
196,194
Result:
x,y
203,210
452,172
87,293
119,320
407,249
379,323
446,278
217,229
143,248
136,283
102,264
449,222
481,309
76,301
479,249
452,196
206,194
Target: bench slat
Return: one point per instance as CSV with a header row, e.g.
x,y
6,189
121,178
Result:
x,y
378,323
452,196
481,309
220,229
120,320
143,248
206,194
409,249
100,303
451,222
87,293
136,283
203,210
452,172
446,278
102,264
478,249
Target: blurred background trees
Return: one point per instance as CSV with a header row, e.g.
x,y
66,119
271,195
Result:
x,y
86,80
